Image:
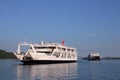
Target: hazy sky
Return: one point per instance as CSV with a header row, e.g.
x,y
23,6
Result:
x,y
88,25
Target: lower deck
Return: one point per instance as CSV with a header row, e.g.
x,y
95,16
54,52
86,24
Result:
x,y
46,61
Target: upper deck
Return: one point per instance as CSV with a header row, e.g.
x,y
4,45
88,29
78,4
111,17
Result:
x,y
58,45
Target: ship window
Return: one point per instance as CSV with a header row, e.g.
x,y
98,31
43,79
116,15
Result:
x,y
42,52
69,56
63,49
57,54
39,52
62,55
39,47
68,49
44,47
48,53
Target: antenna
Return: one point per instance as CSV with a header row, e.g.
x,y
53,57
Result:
x,y
42,42
25,41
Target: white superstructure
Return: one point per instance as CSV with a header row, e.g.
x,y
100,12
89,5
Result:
x,y
46,53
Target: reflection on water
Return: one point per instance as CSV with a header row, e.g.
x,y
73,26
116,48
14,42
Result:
x,y
82,70
88,70
47,71
94,70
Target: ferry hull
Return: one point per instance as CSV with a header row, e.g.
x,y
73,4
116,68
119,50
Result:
x,y
46,61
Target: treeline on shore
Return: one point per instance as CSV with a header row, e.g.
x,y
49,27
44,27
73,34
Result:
x,y
6,55
9,55
109,58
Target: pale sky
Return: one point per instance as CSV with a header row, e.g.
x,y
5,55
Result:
x,y
88,25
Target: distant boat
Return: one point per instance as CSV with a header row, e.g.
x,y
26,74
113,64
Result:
x,y
94,56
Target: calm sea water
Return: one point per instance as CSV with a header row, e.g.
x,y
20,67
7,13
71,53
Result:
x,y
81,70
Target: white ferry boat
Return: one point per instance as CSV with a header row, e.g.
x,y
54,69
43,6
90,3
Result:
x,y
46,53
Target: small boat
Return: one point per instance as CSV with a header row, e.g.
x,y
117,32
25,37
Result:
x,y
94,56
46,53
